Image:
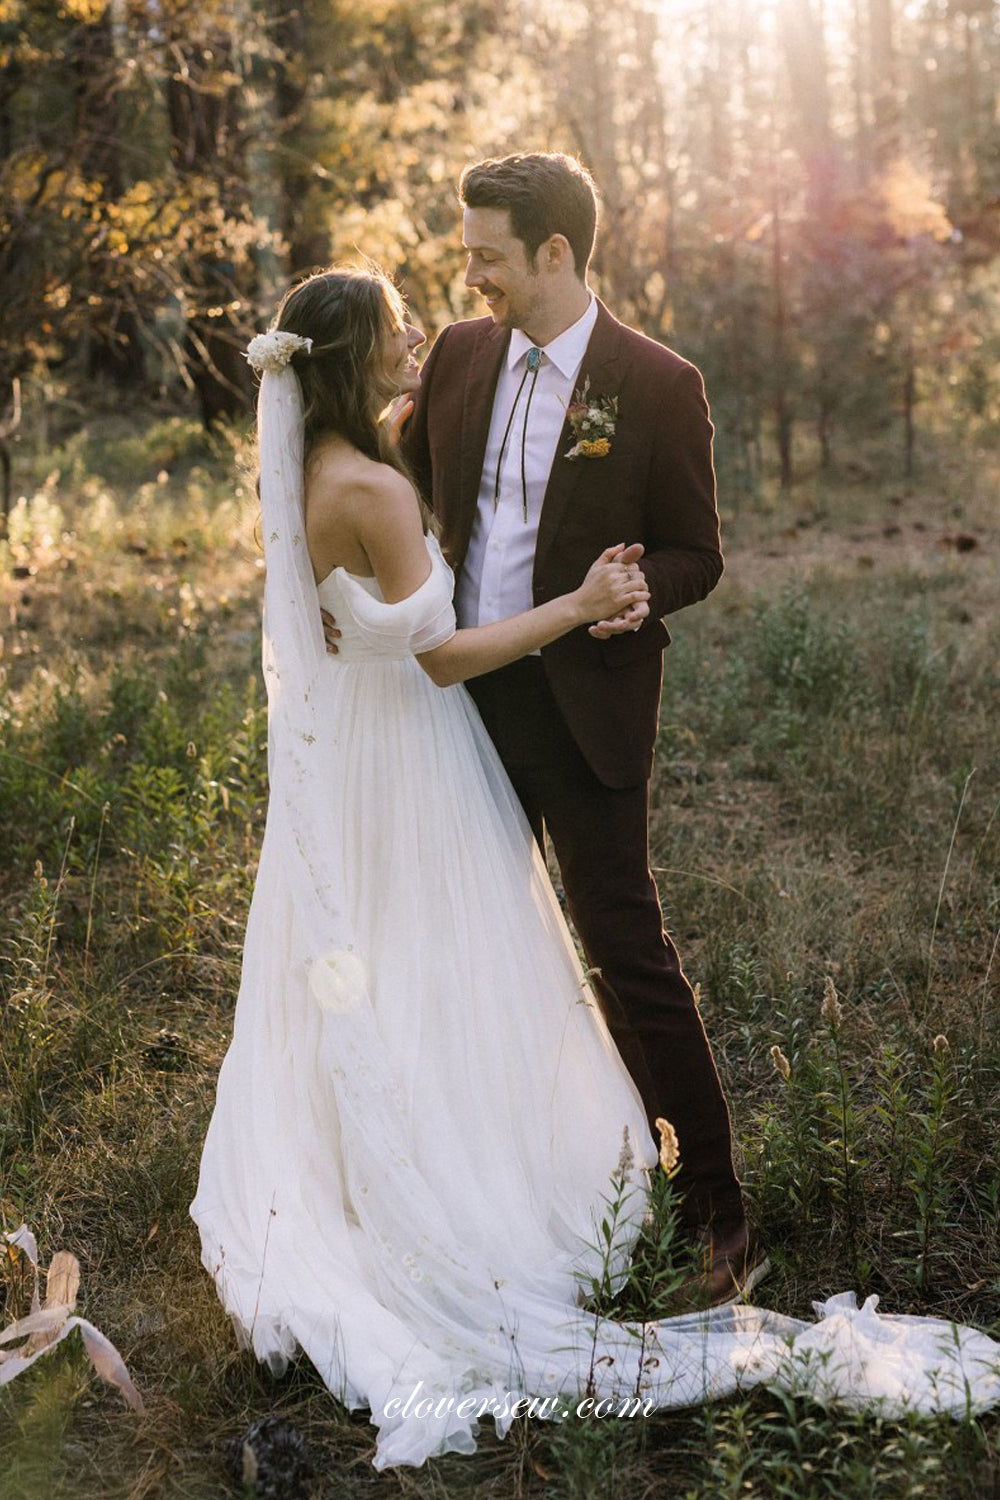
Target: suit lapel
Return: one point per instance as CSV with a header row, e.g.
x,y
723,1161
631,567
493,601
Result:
x,y
602,362
480,387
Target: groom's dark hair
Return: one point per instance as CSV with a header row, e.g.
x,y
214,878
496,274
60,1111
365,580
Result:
x,y
545,193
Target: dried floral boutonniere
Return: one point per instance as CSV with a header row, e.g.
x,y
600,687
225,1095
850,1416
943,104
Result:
x,y
593,423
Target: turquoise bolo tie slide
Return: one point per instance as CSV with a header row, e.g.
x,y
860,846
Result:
x,y
534,359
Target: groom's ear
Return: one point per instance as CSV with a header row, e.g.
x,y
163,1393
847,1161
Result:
x,y
555,254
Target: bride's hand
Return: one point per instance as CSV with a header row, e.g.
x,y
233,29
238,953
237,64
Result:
x,y
399,414
613,585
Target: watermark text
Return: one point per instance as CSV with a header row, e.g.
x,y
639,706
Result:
x,y
511,1405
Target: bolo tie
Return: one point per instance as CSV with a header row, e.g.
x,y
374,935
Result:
x,y
531,368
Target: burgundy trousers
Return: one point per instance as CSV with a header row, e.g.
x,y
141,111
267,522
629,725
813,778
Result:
x,y
601,839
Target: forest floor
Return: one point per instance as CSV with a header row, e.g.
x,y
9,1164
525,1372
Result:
x,y
826,807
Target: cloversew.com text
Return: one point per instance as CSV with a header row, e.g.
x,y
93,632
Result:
x,y
510,1404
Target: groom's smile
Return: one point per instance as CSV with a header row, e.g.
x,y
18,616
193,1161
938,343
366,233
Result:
x,y
499,269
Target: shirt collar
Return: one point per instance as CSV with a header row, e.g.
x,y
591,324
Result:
x,y
566,351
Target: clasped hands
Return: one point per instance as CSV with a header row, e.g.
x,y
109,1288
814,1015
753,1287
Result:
x,y
632,617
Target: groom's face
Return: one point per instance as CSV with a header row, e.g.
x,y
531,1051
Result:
x,y
499,268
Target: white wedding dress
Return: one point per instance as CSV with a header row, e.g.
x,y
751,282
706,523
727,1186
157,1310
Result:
x,y
421,1111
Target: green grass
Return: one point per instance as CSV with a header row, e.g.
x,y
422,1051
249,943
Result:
x,y
826,809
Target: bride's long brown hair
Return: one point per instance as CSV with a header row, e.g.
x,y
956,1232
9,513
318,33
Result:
x,y
348,312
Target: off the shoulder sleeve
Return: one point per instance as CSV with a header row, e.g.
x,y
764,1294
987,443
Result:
x,y
421,621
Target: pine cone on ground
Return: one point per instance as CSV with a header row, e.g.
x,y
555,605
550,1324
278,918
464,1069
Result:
x,y
166,1052
270,1460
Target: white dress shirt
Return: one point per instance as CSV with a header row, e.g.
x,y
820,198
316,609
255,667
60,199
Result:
x,y
495,580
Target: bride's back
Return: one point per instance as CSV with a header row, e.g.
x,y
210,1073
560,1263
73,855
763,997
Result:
x,y
341,483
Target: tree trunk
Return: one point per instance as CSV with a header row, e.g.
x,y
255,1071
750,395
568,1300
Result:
x,y
10,420
909,412
203,99
783,419
308,243
886,142
805,53
859,89
824,417
112,347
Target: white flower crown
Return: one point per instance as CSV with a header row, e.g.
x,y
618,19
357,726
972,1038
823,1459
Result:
x,y
274,350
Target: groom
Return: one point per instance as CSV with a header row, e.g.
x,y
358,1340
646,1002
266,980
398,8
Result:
x,y
528,489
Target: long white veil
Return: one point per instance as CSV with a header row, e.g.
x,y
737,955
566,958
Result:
x,y
294,655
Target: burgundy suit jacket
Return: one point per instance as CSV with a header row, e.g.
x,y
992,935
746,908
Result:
x,y
656,486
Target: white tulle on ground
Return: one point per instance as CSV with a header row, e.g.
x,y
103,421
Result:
x,y
416,1129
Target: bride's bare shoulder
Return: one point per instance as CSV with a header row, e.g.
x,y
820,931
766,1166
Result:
x,y
342,482
358,512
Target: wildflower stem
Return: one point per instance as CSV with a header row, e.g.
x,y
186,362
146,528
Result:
x,y
93,888
986,991
55,899
845,1153
944,881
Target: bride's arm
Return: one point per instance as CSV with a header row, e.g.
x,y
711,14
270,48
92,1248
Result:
x,y
389,529
484,648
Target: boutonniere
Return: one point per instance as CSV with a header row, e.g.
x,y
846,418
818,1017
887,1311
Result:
x,y
593,423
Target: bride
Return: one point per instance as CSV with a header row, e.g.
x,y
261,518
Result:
x,y
421,1112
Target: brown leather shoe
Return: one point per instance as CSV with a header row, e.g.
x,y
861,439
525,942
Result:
x,y
732,1265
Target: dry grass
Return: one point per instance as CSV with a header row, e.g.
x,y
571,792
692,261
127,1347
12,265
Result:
x,y
827,803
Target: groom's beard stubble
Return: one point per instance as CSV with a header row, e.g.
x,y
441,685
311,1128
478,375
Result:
x,y
505,311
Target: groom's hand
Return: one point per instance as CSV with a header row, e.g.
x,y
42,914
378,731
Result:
x,y
631,618
330,632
